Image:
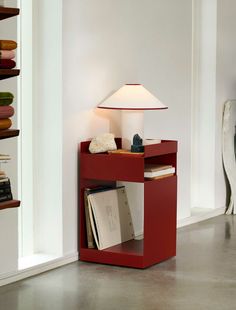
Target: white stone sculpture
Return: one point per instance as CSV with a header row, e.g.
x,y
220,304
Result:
x,y
103,143
228,149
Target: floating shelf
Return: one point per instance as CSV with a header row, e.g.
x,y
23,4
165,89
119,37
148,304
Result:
x,y
9,133
8,73
8,12
9,204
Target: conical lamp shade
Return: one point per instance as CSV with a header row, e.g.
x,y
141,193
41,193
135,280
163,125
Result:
x,y
132,97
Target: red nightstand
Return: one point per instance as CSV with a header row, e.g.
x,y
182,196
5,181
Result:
x,y
160,199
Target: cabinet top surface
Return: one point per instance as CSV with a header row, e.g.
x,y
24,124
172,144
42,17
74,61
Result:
x,y
165,147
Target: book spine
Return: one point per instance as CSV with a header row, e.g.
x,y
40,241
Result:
x,y
4,183
159,173
90,238
5,190
5,197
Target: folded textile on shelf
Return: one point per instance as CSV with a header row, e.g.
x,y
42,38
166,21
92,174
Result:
x,y
8,45
6,111
5,54
5,123
7,64
6,98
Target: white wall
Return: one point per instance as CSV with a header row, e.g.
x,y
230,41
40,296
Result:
x,y
107,44
166,70
204,103
225,81
47,129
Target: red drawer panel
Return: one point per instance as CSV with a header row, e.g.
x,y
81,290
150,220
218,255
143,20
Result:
x,y
112,167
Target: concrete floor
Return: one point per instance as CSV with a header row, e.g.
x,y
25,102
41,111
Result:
x,y
201,277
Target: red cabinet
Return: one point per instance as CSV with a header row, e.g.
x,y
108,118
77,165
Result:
x,y
160,199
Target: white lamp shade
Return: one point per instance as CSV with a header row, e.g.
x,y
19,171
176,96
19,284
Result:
x,y
132,97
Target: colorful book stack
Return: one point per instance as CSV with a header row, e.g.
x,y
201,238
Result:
x,y
7,54
5,187
6,110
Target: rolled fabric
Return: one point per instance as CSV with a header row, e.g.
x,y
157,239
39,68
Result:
x,y
5,123
4,54
6,112
8,45
6,98
7,64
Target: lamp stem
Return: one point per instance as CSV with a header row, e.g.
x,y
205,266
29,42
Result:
x,y
131,124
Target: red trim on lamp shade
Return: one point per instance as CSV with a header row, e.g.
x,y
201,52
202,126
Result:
x,y
133,109
134,84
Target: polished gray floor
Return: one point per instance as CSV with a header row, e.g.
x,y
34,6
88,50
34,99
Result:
x,y
201,277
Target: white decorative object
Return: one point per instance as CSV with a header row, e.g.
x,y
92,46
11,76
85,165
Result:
x,y
228,149
151,141
103,143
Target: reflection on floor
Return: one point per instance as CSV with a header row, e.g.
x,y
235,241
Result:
x,y
201,277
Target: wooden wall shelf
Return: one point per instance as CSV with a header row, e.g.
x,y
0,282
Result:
x,y
9,133
8,73
8,12
9,204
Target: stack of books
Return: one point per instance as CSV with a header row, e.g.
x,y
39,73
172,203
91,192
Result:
x,y
158,171
5,187
7,54
6,110
4,157
108,217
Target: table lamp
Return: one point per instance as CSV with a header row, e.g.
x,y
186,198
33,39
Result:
x,y
132,99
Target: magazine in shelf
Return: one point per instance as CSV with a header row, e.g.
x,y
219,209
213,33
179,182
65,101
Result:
x,y
110,217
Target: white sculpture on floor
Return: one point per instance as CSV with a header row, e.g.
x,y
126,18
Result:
x,y
228,149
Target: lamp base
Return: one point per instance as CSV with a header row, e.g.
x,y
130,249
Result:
x,y
131,124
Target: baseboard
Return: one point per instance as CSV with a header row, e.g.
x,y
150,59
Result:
x,y
202,216
35,270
